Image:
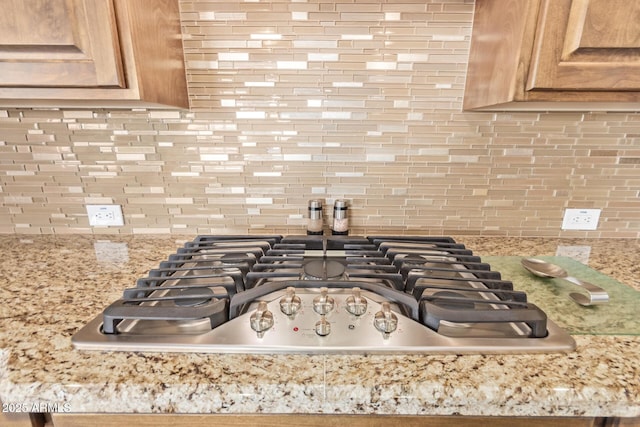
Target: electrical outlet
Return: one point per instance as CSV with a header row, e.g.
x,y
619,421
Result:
x,y
105,215
581,219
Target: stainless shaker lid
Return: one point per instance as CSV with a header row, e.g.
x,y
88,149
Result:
x,y
340,204
315,204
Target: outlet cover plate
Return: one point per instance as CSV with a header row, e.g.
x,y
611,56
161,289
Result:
x,y
581,219
105,215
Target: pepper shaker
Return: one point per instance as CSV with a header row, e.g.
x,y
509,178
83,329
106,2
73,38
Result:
x,y
340,218
314,226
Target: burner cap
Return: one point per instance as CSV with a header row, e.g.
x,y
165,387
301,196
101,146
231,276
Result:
x,y
201,296
322,269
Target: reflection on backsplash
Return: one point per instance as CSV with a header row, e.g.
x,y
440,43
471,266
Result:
x,y
579,253
108,252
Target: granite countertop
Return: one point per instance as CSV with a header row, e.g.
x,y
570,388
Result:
x,y
53,285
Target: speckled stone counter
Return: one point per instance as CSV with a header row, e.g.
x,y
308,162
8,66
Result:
x,y
53,285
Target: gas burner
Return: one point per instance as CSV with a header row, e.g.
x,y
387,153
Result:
x,y
323,269
317,294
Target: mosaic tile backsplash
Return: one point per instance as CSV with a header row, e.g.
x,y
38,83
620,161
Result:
x,y
296,100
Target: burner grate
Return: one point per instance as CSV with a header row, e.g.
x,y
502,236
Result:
x,y
325,294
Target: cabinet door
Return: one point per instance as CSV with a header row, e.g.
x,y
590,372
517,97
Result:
x,y
541,55
92,53
59,43
584,45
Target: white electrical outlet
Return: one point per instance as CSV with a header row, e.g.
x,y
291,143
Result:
x,y
105,215
581,219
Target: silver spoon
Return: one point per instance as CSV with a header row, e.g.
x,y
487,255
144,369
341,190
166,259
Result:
x,y
596,295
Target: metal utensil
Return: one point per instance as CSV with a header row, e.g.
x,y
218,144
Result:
x,y
540,268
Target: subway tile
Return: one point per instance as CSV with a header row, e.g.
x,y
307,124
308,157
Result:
x,y
251,115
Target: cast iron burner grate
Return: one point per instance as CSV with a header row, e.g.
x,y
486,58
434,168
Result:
x,y
324,294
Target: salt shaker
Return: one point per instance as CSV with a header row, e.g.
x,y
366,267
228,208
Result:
x,y
340,218
314,226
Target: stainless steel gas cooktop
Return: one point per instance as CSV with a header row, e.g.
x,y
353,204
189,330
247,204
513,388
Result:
x,y
323,294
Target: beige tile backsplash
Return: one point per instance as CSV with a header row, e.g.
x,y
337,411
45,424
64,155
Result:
x,y
294,100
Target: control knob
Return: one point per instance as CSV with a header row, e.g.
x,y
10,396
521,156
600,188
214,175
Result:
x,y
323,303
262,319
356,304
385,321
290,303
323,328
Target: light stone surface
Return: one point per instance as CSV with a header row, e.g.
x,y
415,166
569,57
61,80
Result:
x,y
52,285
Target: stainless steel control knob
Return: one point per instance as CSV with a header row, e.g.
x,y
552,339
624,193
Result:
x,y
262,319
323,328
356,304
385,321
290,303
323,303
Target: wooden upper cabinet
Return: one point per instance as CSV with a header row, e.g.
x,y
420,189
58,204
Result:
x,y
554,55
91,53
63,48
